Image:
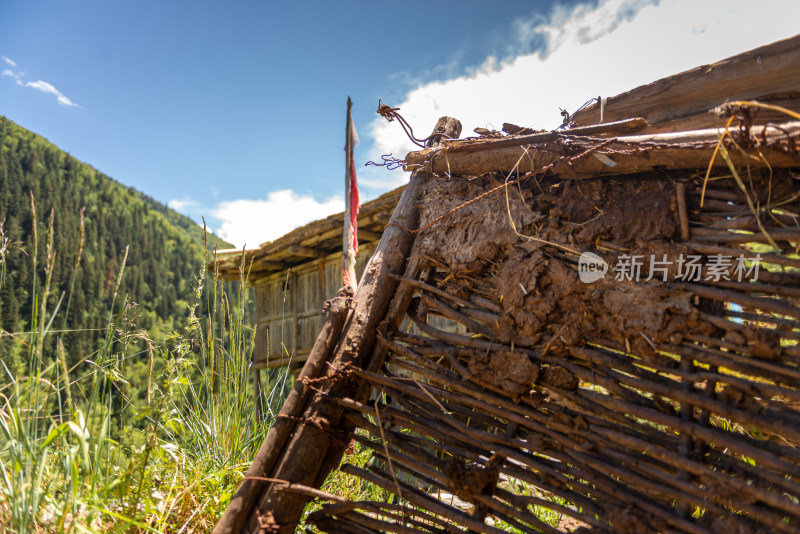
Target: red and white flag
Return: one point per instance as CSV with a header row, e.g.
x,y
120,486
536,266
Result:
x,y
350,237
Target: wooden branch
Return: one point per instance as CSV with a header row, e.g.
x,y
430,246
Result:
x,y
618,127
683,211
661,449
622,155
316,439
422,500
710,248
674,102
639,463
723,295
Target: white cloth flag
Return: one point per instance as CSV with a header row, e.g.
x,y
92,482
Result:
x,y
350,235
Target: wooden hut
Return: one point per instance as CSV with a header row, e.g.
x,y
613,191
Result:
x,y
612,399
295,274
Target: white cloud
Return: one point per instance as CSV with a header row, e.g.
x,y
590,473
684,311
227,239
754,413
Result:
x,y
184,205
582,24
574,55
39,85
45,87
252,222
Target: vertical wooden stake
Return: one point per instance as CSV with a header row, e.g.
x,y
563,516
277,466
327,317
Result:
x,y
683,212
322,279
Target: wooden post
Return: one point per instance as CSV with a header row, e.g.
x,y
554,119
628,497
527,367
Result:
x,y
313,450
683,211
322,287
348,231
681,101
248,492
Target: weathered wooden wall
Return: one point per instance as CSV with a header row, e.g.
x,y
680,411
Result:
x,y
289,304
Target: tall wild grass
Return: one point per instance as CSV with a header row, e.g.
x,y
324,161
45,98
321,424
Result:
x,y
142,435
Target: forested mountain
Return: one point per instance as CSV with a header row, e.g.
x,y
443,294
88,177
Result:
x,y
165,248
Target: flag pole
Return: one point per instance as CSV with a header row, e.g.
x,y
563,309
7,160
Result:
x,y
349,237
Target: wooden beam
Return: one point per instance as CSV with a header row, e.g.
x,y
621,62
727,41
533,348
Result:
x,y
306,252
769,71
275,363
266,265
619,156
326,236
229,276
365,236
611,128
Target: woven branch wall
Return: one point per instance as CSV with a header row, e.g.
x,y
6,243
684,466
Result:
x,y
625,404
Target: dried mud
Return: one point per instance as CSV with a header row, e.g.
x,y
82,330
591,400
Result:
x,y
546,307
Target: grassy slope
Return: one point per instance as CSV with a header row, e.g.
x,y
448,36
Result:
x,y
164,248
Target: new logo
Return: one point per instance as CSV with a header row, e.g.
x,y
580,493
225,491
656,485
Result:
x,y
591,267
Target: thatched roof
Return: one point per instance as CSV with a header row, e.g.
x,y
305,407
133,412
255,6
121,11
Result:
x,y
314,240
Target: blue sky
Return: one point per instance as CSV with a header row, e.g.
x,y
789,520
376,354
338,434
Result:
x,y
236,110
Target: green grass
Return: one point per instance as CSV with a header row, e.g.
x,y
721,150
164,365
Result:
x,y
142,435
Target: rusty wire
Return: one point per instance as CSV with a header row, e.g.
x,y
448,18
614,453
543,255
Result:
x,y
390,114
568,117
390,162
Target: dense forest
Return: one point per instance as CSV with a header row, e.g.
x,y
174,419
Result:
x,y
98,218
121,358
